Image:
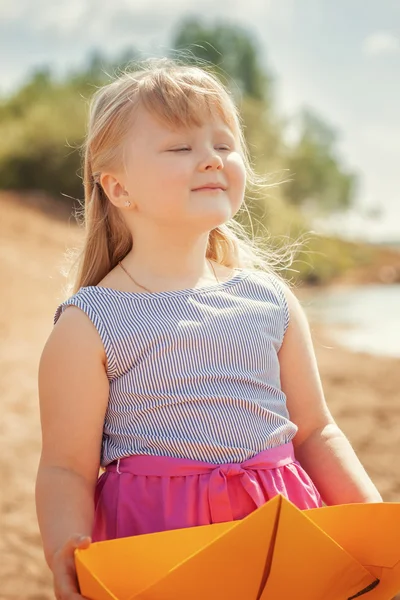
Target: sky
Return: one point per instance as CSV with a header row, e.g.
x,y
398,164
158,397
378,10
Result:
x,y
342,59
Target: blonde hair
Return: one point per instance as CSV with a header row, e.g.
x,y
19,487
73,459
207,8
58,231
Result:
x,y
181,95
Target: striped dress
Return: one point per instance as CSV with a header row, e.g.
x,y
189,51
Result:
x,y
193,373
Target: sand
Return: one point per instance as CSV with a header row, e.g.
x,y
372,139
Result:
x,y
362,391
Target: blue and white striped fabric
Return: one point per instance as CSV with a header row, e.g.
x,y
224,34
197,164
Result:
x,y
193,373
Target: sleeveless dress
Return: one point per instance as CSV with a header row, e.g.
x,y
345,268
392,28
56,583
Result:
x,y
196,429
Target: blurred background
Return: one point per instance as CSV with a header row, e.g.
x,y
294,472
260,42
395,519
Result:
x,y
318,87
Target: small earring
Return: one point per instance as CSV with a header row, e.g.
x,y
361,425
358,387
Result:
x,y
127,203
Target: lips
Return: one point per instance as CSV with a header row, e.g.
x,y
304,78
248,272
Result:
x,y
210,186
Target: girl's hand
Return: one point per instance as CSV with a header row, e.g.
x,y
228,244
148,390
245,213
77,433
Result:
x,y
65,581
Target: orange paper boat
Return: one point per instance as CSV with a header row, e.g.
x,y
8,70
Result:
x,y
340,552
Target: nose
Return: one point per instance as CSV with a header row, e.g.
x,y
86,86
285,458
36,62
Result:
x,y
213,161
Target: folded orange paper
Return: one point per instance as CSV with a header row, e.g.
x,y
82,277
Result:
x,y
340,552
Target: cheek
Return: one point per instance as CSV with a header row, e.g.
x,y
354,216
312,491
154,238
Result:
x,y
236,171
165,192
171,180
175,173
159,185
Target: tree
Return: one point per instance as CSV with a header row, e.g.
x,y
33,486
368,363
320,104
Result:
x,y
318,180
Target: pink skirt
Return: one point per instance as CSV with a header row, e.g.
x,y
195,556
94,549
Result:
x,y
147,494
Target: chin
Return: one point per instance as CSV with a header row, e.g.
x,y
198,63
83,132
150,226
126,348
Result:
x,y
214,219
219,210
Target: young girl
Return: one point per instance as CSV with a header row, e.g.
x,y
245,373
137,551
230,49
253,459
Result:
x,y
181,365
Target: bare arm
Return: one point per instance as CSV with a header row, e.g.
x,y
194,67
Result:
x,y
320,445
73,392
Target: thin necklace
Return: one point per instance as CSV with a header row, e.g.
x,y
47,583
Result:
x,y
147,289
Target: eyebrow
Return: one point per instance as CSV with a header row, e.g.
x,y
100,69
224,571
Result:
x,y
224,132
171,137
219,131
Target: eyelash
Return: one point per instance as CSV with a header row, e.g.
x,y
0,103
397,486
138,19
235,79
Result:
x,y
187,149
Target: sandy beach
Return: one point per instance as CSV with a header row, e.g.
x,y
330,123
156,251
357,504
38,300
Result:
x,y
362,390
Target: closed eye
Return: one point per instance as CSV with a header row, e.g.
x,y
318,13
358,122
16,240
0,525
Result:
x,y
187,149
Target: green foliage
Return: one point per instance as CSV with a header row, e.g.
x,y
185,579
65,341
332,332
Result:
x,y
318,179
41,128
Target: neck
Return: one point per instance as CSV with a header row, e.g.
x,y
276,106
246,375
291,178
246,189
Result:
x,y
181,263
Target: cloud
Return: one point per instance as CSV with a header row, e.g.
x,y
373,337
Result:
x,y
381,43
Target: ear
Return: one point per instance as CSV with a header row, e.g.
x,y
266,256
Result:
x,y
114,189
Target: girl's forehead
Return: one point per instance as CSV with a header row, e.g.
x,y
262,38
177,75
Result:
x,y
146,121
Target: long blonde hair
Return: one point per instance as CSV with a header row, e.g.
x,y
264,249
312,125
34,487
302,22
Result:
x,y
178,94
